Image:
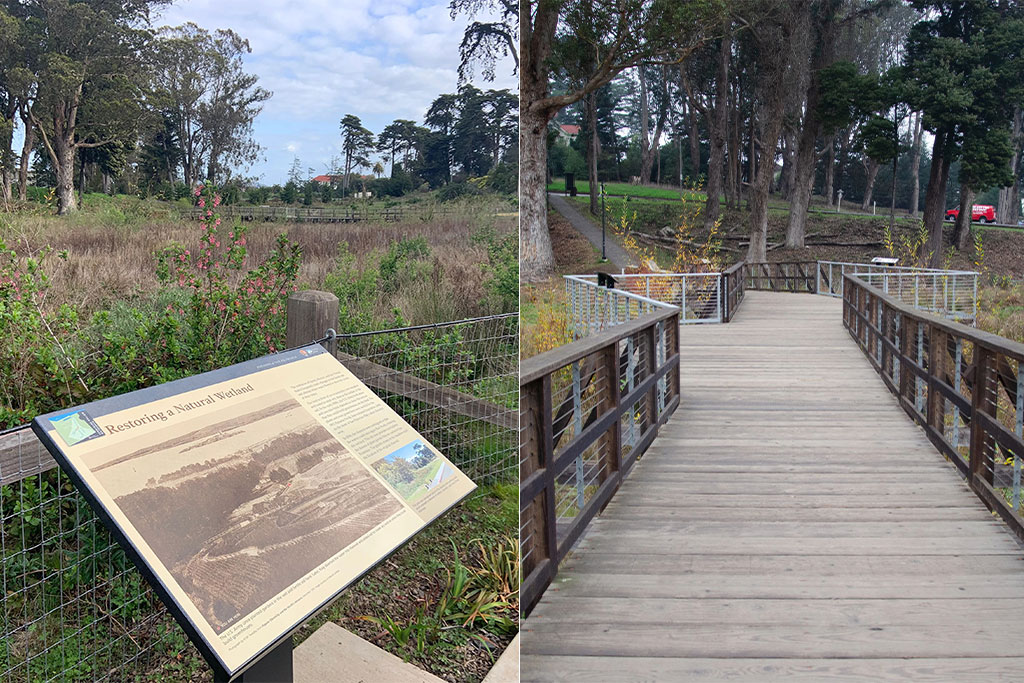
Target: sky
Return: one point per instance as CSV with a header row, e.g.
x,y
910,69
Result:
x,y
378,59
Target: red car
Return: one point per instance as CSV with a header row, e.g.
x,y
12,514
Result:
x,y
979,212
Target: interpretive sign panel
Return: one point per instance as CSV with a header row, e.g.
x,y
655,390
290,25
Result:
x,y
250,496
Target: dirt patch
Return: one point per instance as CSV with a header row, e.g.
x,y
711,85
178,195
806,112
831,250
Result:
x,y
859,239
573,252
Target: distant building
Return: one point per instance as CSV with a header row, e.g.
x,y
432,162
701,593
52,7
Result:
x,y
567,132
332,180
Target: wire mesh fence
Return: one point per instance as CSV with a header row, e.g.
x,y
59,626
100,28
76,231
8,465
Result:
x,y
457,383
74,608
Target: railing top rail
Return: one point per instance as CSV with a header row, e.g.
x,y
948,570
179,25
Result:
x,y
991,341
893,270
690,274
585,279
734,267
884,266
531,369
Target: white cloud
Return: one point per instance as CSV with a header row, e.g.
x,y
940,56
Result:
x,y
377,59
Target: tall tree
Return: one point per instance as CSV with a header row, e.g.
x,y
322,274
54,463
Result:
x,y
89,54
471,136
654,85
441,118
356,144
484,42
773,48
958,70
631,32
200,79
915,163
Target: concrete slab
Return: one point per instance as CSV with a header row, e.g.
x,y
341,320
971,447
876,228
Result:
x,y
339,656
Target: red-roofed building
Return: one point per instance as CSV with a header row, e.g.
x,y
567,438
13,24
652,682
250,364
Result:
x,y
328,179
567,132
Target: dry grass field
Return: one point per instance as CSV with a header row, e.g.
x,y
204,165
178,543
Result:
x,y
110,261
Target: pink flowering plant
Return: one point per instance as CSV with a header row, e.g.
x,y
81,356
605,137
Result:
x,y
230,313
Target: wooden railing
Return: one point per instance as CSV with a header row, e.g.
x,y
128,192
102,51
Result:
x,y
794,276
734,285
963,386
588,410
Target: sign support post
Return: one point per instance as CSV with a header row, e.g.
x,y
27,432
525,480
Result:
x,y
274,667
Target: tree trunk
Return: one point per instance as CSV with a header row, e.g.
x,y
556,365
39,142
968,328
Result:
x,y
717,126
108,183
81,180
734,170
869,184
1005,193
915,166
536,258
593,148
26,153
64,167
962,229
803,183
935,199
804,163
788,175
761,183
645,124
844,156
830,170
6,183
650,147
694,143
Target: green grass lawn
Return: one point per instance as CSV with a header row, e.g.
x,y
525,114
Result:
x,y
625,189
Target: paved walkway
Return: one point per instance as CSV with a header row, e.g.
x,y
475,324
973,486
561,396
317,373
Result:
x,y
790,523
617,256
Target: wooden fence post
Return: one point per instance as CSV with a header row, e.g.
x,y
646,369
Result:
x,y
982,459
937,361
310,315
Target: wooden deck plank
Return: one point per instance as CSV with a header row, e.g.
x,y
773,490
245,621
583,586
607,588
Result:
x,y
538,669
789,523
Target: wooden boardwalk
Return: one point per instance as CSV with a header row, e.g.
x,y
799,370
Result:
x,y
789,523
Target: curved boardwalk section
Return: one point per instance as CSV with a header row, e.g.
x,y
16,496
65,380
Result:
x,y
789,523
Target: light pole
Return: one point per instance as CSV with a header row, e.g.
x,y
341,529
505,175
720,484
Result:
x,y
603,257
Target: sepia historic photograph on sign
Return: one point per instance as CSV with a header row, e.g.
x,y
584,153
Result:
x,y
246,502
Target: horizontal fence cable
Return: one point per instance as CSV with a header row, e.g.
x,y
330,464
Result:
x,y
588,410
963,386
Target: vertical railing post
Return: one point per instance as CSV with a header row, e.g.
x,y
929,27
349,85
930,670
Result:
x,y
937,361
630,385
1018,428
982,458
918,382
577,423
659,361
879,306
958,356
537,521
610,377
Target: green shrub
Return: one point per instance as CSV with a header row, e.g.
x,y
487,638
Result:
x,y
453,191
